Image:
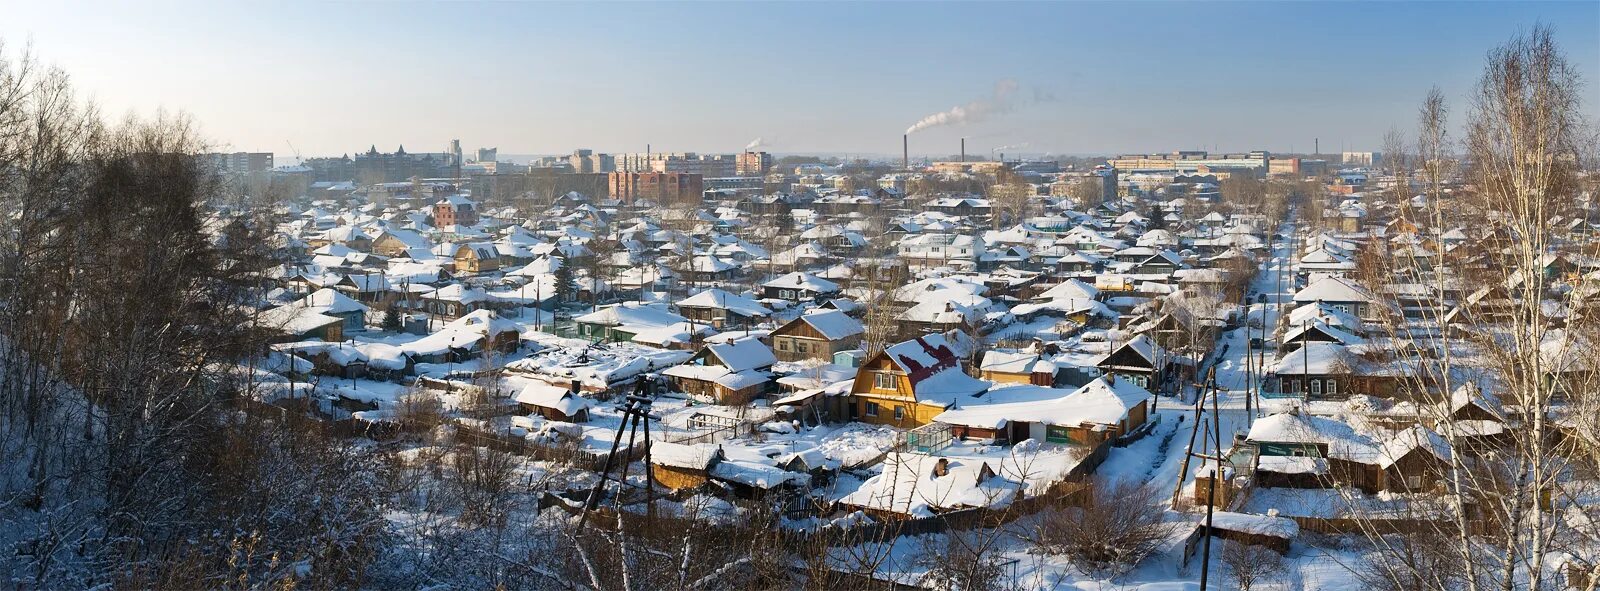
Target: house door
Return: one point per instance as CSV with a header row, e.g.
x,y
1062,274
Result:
x,y
1019,431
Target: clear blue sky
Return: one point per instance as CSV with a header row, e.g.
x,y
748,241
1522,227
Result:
x,y
807,77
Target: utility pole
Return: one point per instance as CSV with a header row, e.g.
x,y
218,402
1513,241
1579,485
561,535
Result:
x,y
1211,503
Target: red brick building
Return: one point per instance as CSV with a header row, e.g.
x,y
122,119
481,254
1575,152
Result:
x,y
455,210
752,164
661,187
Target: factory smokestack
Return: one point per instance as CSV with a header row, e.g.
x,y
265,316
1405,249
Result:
x,y
963,149
905,151
1316,145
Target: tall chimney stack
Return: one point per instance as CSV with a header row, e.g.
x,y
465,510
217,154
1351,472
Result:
x,y
963,149
905,151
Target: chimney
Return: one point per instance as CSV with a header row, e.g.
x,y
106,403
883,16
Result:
x,y
963,149
905,151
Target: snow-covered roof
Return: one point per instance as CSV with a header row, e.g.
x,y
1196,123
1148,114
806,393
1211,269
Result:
x,y
910,484
832,324
743,354
934,369
1319,358
1334,289
1410,439
1014,362
330,301
295,319
1104,401
465,332
756,474
697,456
805,281
1250,523
1069,289
557,398
1343,441
723,300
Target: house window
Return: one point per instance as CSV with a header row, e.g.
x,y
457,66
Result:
x,y
800,346
783,345
1413,482
1055,434
872,409
1299,453
883,381
1316,387
899,413
1332,387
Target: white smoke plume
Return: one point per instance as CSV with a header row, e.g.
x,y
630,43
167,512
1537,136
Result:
x,y
974,111
756,143
1010,147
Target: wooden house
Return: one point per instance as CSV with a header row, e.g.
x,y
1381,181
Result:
x,y
1105,409
394,242
1414,460
476,257
1344,295
799,287
1295,450
1140,361
454,301
816,335
678,466
731,373
299,323
1332,371
1016,367
723,310
909,383
553,402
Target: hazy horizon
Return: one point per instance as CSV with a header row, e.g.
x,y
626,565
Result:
x,y
546,78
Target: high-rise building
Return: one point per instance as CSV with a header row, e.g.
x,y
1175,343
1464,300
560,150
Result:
x,y
455,152
376,167
588,162
1190,161
1361,158
706,165
241,162
752,164
488,154
661,187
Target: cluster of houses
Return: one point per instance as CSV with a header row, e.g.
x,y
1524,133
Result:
x,y
901,356
951,329
1377,383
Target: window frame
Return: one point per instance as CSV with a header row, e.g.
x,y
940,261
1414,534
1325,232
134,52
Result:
x,y
879,378
1057,434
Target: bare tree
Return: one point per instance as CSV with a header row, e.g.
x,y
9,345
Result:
x,y
1125,525
1247,565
